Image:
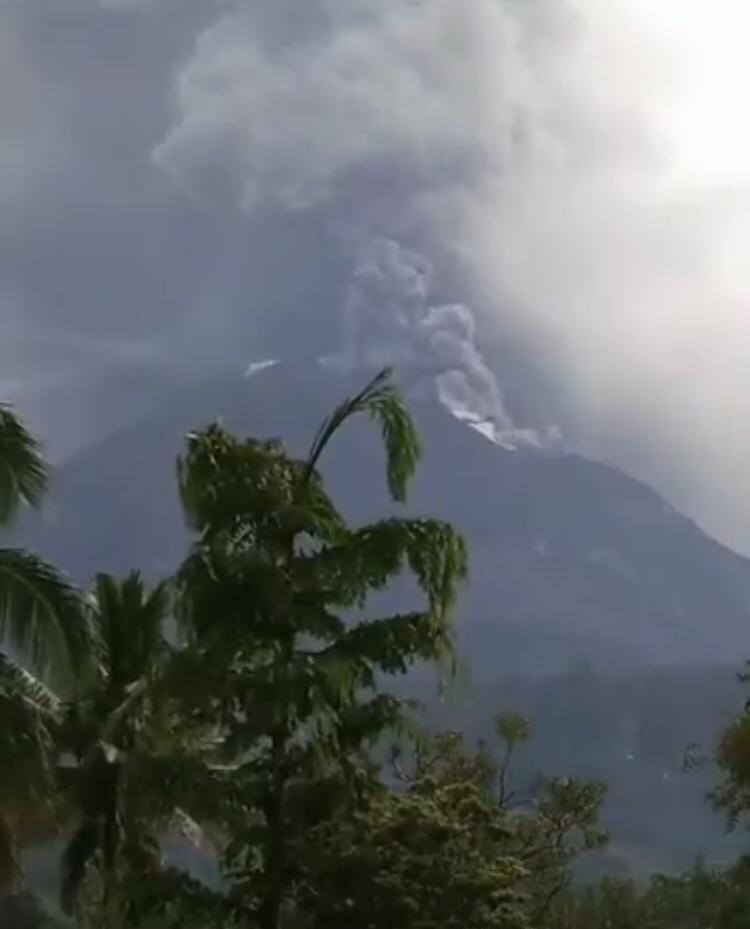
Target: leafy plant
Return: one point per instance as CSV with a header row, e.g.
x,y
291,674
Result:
x,y
272,601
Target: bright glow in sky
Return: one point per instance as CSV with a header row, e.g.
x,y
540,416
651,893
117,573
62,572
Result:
x,y
708,117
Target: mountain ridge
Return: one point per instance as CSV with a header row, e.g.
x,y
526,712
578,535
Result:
x,y
571,559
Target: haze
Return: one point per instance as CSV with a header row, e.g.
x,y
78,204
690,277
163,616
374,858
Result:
x,y
189,187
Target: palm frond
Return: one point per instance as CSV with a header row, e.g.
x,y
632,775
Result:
x,y
110,727
382,402
23,471
16,679
29,717
42,614
188,828
129,621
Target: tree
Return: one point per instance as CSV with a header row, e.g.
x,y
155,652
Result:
x,y
703,899
273,604
732,795
138,771
555,821
40,611
42,619
563,824
113,759
433,850
447,844
29,717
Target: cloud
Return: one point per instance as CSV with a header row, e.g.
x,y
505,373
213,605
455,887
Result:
x,y
90,235
125,4
573,160
270,117
574,172
284,121
32,142
621,267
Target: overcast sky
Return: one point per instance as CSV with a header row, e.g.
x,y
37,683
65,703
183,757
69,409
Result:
x,y
546,193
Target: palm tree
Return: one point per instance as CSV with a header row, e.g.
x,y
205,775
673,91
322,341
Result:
x,y
136,772
40,610
85,680
42,620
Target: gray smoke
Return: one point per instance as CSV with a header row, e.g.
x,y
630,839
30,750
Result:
x,y
389,319
585,163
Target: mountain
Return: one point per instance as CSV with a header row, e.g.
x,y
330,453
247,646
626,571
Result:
x,y
571,560
614,622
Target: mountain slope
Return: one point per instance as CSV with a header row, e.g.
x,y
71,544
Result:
x,y
570,559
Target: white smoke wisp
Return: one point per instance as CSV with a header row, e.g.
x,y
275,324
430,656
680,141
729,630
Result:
x,y
255,367
588,162
389,320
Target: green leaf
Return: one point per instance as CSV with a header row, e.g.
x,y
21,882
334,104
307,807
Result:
x,y
129,621
383,403
367,559
17,680
23,471
390,644
42,614
29,723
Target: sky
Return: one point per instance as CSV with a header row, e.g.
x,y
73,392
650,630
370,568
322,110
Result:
x,y
542,204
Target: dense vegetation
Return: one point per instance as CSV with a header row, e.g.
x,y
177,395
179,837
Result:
x,y
245,706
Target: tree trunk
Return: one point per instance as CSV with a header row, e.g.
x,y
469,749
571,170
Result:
x,y
273,895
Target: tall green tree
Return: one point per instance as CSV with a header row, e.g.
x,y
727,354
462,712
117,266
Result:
x,y
273,604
